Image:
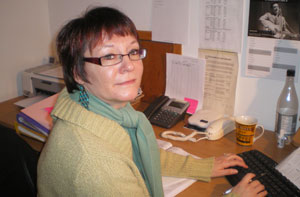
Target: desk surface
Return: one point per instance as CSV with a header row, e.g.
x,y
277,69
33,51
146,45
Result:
x,y
204,148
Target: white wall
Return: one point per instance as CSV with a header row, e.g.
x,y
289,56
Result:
x,y
254,96
24,41
61,11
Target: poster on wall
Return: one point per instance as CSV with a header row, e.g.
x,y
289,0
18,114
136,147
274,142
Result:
x,y
273,43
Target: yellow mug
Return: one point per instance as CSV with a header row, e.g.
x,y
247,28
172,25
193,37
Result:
x,y
245,130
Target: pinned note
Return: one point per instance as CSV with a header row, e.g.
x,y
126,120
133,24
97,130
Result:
x,y
193,105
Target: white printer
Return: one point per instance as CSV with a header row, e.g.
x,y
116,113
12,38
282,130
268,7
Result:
x,y
45,79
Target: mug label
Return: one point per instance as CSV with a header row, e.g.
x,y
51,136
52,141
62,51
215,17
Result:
x,y
245,134
244,139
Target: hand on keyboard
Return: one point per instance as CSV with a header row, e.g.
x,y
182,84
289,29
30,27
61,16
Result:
x,y
223,164
258,163
248,188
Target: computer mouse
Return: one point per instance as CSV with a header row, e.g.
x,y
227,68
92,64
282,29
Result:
x,y
218,128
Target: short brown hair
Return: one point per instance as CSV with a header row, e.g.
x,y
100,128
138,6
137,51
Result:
x,y
86,32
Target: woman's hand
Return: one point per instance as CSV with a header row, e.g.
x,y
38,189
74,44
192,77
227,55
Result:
x,y
248,188
223,163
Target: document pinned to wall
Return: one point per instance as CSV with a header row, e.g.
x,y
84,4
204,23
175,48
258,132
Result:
x,y
170,21
270,58
220,24
220,80
273,44
185,78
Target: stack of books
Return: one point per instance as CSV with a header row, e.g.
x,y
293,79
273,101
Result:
x,y
35,121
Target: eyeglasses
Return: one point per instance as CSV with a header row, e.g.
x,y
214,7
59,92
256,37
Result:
x,y
113,59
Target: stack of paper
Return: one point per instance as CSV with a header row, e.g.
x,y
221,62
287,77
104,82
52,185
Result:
x,y
21,129
35,120
290,167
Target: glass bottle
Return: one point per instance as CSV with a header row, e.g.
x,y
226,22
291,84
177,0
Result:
x,y
286,111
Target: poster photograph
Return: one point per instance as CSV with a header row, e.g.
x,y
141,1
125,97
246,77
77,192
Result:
x,y
278,19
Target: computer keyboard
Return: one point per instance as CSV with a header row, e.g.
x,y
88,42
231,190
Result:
x,y
275,183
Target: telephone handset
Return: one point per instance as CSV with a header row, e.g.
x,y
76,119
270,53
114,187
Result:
x,y
216,130
166,112
155,105
211,124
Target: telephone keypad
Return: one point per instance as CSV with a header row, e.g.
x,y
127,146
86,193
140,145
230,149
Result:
x,y
165,117
166,112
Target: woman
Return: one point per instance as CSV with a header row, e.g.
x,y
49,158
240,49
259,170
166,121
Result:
x,y
99,145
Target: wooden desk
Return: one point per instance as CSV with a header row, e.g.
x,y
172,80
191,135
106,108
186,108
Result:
x,y
267,144
204,148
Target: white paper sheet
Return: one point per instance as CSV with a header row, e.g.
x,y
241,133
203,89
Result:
x,y
170,21
220,80
220,24
185,78
31,100
290,167
55,72
269,58
173,185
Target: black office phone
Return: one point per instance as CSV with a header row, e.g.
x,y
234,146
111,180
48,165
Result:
x,y
166,112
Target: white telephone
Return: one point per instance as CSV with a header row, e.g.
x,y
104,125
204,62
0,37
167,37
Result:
x,y
216,126
202,118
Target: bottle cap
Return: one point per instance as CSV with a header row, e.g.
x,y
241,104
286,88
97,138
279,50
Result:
x,y
290,73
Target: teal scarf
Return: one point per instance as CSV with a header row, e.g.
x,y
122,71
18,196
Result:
x,y
145,149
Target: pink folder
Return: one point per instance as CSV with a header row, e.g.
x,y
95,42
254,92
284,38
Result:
x,y
40,111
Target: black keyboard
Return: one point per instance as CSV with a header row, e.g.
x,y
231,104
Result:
x,y
275,183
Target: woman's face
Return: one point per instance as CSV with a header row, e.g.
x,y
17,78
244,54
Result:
x,y
117,84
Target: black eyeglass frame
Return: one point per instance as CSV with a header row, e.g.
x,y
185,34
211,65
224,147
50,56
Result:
x,y
97,60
